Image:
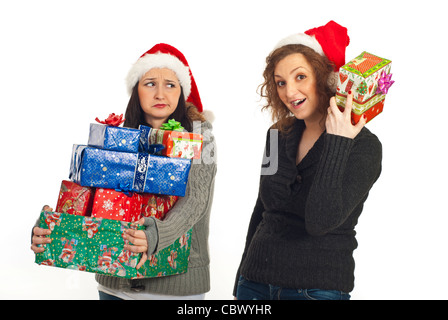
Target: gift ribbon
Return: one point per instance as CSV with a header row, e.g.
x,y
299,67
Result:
x,y
172,125
384,83
76,161
125,188
155,148
141,169
113,120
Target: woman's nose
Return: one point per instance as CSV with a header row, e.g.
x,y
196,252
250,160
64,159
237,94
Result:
x,y
159,94
291,90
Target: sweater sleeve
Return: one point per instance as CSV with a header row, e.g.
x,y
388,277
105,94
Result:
x,y
257,213
189,209
346,171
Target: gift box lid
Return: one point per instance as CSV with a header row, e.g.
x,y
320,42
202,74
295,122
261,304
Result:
x,y
365,64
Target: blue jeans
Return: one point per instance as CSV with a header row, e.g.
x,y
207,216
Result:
x,y
106,296
249,290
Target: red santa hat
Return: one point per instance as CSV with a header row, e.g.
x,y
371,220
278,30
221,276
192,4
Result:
x,y
165,56
330,40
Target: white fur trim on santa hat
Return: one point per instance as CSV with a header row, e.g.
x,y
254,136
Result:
x,y
301,38
159,60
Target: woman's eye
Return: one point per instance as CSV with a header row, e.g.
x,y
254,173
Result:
x,y
171,85
150,84
301,77
280,83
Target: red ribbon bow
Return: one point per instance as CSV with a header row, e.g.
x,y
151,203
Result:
x,y
113,120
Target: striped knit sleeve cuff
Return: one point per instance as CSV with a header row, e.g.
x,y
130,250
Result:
x,y
152,236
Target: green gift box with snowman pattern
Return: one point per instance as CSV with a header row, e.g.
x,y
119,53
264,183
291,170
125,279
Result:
x,y
97,245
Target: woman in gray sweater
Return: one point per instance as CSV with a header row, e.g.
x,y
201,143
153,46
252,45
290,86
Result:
x,y
162,87
301,234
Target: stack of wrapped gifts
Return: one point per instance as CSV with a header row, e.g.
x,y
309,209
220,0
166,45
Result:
x,y
120,176
369,78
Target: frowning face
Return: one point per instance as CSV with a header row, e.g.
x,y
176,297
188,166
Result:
x,y
159,91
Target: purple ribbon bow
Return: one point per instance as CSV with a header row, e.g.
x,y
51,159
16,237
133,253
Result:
x,y
384,83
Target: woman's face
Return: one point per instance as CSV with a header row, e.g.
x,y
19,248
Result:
x,y
296,86
159,91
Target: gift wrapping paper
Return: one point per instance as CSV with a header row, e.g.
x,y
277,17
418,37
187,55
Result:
x,y
361,75
124,171
176,144
157,206
75,199
116,205
97,245
114,138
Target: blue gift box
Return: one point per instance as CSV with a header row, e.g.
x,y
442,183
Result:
x,y
125,171
114,138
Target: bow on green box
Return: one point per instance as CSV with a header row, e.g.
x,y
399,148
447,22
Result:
x,y
172,125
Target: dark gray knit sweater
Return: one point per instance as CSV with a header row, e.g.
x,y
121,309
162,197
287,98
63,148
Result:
x,y
302,230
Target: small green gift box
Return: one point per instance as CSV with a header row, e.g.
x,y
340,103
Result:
x,y
97,245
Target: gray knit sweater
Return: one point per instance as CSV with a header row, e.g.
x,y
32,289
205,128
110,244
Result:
x,y
302,231
190,211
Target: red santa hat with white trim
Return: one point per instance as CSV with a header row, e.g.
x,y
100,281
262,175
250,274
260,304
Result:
x,y
165,56
330,40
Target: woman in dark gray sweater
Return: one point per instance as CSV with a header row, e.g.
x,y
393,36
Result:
x,y
301,235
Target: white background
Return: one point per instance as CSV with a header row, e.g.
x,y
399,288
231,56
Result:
x,y
63,63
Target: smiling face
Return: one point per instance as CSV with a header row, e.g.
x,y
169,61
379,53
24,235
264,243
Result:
x,y
159,91
296,87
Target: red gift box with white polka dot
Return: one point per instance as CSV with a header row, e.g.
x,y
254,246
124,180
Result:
x,y
115,205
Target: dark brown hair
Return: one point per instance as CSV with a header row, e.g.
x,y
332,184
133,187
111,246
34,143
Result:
x,y
322,68
185,112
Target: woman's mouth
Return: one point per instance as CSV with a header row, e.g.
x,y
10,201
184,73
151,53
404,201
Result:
x,y
160,105
297,103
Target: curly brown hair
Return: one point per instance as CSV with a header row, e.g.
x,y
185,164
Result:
x,y
322,68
